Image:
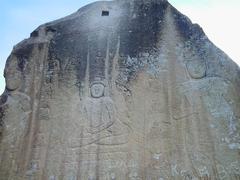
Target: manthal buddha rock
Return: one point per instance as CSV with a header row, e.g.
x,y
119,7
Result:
x,y
120,90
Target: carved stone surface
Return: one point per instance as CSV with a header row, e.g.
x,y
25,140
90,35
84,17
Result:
x,y
97,90
137,93
196,69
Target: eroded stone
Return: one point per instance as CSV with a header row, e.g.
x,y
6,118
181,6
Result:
x,y
140,93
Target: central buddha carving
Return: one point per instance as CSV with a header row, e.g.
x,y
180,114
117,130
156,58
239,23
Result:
x,y
100,117
99,110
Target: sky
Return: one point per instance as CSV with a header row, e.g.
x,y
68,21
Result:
x,y
18,18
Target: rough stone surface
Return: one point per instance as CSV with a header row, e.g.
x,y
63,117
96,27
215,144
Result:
x,y
120,90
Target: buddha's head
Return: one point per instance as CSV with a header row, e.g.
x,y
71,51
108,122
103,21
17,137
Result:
x,y
12,76
196,69
97,89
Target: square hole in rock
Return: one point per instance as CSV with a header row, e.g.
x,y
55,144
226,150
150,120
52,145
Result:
x,y
105,13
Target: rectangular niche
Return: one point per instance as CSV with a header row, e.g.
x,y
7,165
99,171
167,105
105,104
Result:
x,y
105,13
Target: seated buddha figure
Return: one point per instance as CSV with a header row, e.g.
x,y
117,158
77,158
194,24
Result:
x,y
101,120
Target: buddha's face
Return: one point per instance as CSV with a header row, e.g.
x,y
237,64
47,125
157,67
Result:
x,y
97,90
196,69
13,79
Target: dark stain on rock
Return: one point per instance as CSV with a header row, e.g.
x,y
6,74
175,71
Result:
x,y
190,32
142,27
186,28
72,42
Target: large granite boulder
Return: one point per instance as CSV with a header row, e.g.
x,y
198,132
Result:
x,y
120,90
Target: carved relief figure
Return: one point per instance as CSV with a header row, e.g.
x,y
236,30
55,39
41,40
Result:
x,y
100,116
17,108
213,92
13,100
210,92
99,110
186,105
212,95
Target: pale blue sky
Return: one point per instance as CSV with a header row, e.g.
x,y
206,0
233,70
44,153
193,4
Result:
x,y
20,17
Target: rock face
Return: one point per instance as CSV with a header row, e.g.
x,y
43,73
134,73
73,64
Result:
x,y
120,90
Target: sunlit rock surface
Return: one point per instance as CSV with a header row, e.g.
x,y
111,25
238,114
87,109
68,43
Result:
x,y
120,90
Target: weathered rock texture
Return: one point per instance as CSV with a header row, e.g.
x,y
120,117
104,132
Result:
x,y
120,90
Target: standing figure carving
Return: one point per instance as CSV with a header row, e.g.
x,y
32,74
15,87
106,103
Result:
x,y
14,101
16,106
